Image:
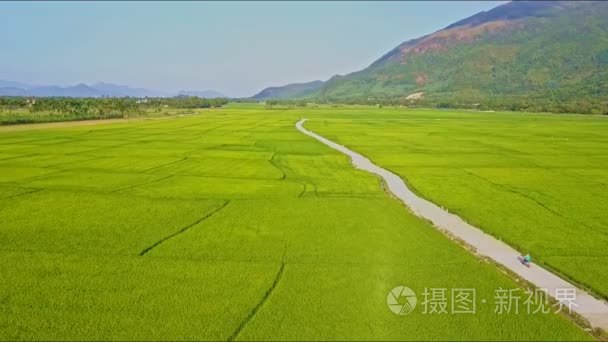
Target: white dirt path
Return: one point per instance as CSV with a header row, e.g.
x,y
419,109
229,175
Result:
x,y
589,307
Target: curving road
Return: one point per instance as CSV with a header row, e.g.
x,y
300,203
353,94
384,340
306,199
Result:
x,y
592,309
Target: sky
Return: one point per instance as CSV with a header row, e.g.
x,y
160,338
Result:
x,y
237,48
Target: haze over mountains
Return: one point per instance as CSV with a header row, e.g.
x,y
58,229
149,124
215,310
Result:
x,y
100,89
531,49
208,94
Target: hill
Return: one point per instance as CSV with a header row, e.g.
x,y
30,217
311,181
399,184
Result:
x,y
516,53
100,89
292,90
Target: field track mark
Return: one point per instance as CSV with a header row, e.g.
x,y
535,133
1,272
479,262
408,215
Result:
x,y
304,186
27,179
24,193
177,129
570,175
140,184
511,190
526,196
274,163
161,165
73,162
255,310
20,156
148,249
594,310
95,149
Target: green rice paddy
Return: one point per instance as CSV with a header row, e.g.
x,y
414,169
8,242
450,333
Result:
x,y
539,182
231,224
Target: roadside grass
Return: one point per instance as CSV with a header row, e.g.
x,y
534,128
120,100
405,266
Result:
x,y
538,182
226,225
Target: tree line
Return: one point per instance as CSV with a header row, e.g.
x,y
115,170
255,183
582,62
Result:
x,y
521,103
581,105
43,109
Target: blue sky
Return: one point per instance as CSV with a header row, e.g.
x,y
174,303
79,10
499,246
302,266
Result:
x,y
237,48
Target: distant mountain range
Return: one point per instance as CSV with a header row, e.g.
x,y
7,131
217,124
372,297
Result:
x,y
207,94
100,89
549,50
292,90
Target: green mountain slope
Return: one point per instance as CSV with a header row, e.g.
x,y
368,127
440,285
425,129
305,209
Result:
x,y
516,52
291,90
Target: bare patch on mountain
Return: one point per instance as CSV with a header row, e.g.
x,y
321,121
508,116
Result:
x,y
442,40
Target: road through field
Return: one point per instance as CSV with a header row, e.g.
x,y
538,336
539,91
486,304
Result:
x,y
592,309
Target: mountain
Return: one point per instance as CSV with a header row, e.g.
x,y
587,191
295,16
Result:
x,y
100,89
9,88
79,90
114,90
292,90
519,50
205,94
13,84
12,91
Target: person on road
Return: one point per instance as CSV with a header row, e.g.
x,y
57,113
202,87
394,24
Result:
x,y
526,260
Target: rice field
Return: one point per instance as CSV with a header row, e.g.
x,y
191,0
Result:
x,y
537,181
232,225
